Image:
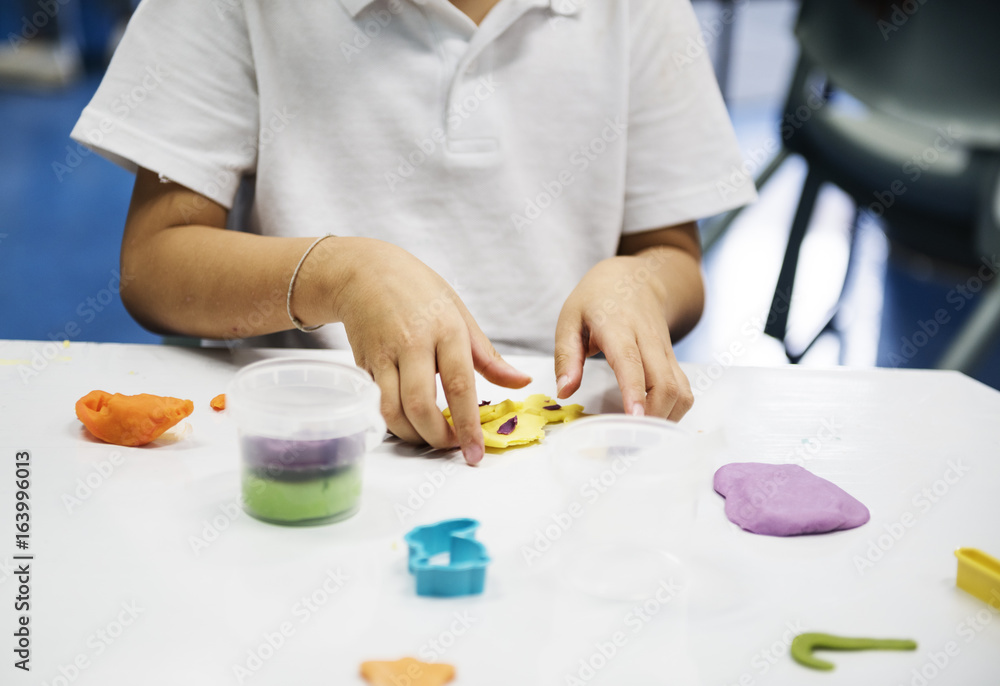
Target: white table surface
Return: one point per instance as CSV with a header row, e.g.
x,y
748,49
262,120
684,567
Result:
x,y
198,609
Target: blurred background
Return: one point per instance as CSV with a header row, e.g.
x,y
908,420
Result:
x,y
872,130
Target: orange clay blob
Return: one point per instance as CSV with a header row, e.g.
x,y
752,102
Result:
x,y
219,402
130,420
407,671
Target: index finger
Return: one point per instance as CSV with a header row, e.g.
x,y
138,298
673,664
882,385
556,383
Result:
x,y
623,355
454,357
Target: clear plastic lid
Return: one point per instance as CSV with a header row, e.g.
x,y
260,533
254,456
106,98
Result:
x,y
298,398
644,447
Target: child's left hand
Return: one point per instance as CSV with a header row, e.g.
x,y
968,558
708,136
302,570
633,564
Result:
x,y
620,308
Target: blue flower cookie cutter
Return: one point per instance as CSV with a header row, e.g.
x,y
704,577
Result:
x,y
465,571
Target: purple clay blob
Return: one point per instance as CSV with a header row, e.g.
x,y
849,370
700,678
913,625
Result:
x,y
508,426
484,403
786,500
291,458
552,407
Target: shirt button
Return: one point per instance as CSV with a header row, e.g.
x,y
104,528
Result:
x,y
565,6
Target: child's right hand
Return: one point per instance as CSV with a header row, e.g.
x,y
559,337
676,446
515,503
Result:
x,y
405,324
184,273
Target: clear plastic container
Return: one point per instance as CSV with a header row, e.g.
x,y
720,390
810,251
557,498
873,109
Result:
x,y
304,427
632,485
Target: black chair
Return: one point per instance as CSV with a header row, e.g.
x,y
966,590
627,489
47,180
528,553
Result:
x,y
902,112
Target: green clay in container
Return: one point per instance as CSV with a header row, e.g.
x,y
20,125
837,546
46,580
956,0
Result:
x,y
302,482
327,498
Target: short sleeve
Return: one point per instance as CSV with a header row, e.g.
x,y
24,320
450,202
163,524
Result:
x,y
180,97
682,151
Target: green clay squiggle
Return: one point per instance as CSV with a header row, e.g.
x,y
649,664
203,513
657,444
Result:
x,y
804,644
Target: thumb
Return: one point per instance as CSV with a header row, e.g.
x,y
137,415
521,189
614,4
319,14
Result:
x,y
490,364
570,354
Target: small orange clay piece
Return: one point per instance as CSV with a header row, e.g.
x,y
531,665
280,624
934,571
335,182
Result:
x,y
130,420
219,402
407,671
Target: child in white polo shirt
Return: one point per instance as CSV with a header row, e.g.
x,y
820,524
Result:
x,y
490,170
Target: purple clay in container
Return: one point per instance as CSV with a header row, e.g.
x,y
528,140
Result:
x,y
284,458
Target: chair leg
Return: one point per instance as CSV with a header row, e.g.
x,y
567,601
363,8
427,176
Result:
x,y
830,322
973,341
777,318
723,56
849,275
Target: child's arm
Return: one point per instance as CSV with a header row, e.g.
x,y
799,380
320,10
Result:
x,y
630,307
183,272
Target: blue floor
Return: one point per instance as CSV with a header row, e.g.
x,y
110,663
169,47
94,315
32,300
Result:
x,y
923,315
61,221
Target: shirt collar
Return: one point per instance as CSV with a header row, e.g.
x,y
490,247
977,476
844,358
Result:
x,y
561,7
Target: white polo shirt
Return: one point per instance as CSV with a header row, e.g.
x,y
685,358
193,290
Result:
x,y
509,157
